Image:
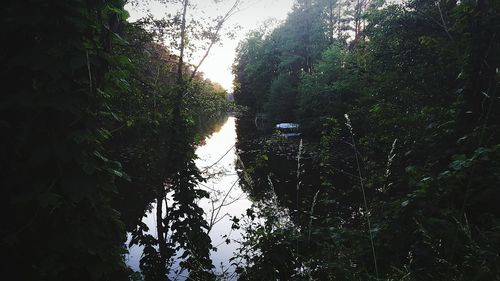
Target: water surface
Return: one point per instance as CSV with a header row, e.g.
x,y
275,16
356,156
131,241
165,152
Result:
x,y
217,161
217,158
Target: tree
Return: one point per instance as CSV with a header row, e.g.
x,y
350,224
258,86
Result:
x,y
180,224
405,155
57,177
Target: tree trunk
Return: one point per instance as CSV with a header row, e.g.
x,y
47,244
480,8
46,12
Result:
x,y
180,64
330,21
478,90
161,234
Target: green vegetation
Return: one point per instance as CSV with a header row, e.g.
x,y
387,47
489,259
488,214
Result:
x,y
98,120
397,177
403,102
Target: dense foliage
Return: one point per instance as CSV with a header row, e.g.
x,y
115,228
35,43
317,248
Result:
x,y
403,102
97,124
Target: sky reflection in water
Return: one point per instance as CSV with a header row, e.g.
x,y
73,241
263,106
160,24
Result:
x,y
216,158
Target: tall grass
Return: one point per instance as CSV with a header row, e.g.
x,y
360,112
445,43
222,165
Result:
x,y
311,212
297,209
362,185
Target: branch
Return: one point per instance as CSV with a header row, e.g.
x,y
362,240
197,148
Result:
x,y
444,23
215,219
436,21
214,40
183,42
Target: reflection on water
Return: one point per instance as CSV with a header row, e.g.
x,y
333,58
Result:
x,y
271,163
216,159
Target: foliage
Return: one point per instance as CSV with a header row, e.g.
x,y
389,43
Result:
x,y
155,137
279,57
58,222
406,118
95,131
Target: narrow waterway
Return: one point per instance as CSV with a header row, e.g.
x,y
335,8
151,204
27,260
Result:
x,y
217,161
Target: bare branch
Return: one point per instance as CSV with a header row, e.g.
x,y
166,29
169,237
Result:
x,y
445,27
214,38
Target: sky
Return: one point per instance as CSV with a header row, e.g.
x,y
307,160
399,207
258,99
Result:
x,y
251,15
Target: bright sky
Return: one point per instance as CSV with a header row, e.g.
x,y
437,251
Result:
x,y
251,15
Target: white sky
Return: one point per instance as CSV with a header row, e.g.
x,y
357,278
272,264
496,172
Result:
x,y
252,14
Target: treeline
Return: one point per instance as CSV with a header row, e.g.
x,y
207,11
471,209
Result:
x,y
404,102
98,120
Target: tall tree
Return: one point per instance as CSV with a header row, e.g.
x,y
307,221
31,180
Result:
x,y
58,222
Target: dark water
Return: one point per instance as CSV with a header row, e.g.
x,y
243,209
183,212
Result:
x,y
278,163
242,163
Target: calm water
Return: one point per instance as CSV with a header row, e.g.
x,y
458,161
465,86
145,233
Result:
x,y
216,159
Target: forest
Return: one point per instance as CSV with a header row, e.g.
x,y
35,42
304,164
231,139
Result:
x,y
395,174
98,119
402,102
